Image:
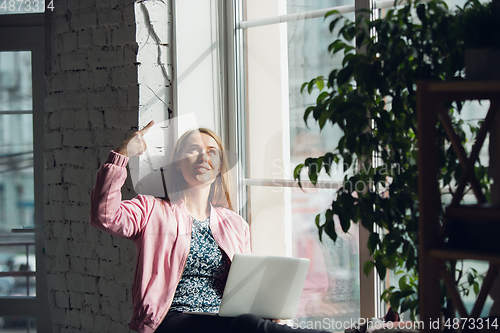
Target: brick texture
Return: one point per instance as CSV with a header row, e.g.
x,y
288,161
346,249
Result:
x,y
93,103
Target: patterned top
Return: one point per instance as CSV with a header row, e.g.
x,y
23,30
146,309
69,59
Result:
x,y
202,283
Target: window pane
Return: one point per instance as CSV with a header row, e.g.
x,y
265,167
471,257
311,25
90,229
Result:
x,y
331,293
21,6
259,9
17,270
267,102
17,324
15,81
17,203
279,59
308,58
16,171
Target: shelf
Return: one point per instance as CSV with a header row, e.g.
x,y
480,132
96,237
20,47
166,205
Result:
x,y
470,231
482,212
463,90
463,86
456,254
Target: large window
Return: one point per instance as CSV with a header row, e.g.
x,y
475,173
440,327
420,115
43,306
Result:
x,y
283,44
23,285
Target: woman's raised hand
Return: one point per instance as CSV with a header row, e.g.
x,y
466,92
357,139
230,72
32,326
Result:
x,y
134,144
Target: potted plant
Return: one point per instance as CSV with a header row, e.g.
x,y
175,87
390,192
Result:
x,y
372,98
478,24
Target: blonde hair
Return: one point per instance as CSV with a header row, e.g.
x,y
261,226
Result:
x,y
220,190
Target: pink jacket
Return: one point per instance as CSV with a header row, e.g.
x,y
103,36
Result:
x,y
161,232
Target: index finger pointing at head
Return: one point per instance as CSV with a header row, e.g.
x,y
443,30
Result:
x,y
147,127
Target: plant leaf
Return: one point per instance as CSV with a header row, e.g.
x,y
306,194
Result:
x,y
344,75
368,267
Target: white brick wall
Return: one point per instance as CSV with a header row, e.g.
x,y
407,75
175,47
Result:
x,y
92,104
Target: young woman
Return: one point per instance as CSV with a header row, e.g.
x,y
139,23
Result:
x,y
184,242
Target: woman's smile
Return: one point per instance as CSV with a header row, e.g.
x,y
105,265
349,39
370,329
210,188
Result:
x,y
203,169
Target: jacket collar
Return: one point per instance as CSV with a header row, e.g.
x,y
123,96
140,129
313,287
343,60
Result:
x,y
181,206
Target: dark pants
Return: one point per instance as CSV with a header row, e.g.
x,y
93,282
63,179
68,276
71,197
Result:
x,y
178,322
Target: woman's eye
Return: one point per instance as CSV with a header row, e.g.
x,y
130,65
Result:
x,y
212,151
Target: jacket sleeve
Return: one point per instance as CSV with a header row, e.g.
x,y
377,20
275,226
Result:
x,y
107,210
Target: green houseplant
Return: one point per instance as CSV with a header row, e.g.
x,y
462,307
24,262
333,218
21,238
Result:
x,y
478,22
372,98
477,28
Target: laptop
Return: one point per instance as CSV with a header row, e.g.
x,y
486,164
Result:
x,y
266,286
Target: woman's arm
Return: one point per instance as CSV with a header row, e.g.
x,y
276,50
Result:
x,y
107,210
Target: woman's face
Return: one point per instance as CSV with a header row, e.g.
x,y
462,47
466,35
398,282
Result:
x,y
199,160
